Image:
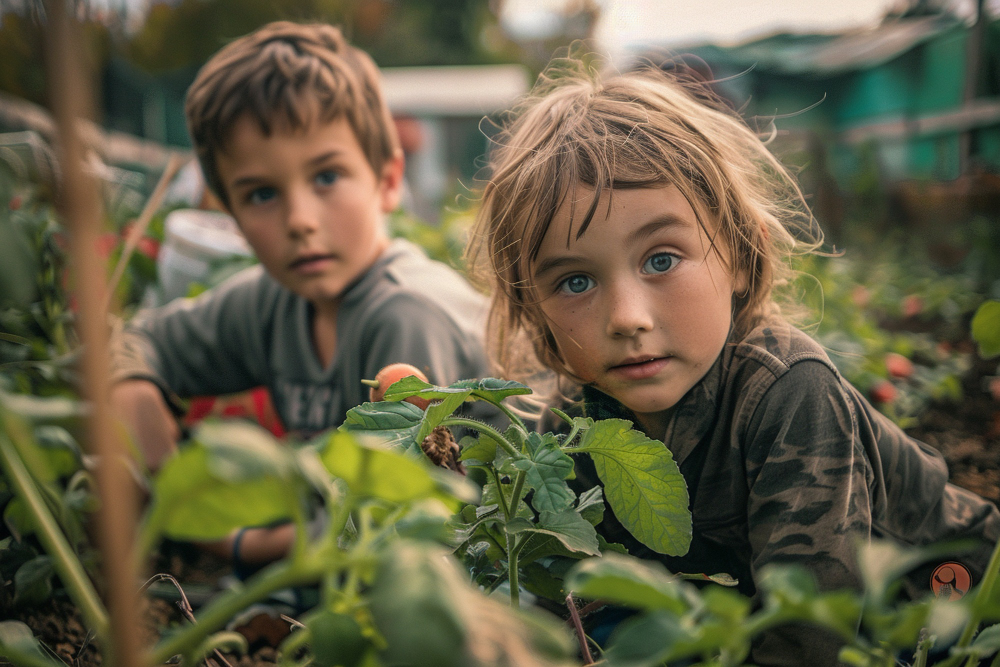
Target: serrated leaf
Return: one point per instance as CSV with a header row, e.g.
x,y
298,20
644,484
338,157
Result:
x,y
986,329
373,472
987,642
545,473
494,390
591,505
571,529
395,424
628,581
483,450
437,413
642,484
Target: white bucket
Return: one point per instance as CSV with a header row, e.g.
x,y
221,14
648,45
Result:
x,y
192,241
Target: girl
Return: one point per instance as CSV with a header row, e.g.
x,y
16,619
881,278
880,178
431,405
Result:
x,y
633,230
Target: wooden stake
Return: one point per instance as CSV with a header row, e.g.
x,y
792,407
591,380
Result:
x,y
79,201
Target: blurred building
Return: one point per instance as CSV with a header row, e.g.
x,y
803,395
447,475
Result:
x,y
913,102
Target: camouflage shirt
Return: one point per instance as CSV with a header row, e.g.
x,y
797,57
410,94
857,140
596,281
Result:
x,y
786,462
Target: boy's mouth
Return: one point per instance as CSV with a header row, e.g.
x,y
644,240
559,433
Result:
x,y
308,261
639,368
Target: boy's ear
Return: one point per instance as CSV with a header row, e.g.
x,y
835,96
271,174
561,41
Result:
x,y
391,183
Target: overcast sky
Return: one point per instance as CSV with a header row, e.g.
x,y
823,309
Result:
x,y
626,23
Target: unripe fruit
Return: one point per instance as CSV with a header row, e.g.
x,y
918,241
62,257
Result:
x,y
391,374
898,365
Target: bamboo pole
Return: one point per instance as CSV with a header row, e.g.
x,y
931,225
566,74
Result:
x,y
80,204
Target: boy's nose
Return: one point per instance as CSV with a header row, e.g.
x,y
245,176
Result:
x,y
628,312
302,216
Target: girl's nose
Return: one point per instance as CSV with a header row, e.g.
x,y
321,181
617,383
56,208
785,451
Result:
x,y
628,312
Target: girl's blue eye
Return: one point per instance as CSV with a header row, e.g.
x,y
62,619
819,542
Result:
x,y
661,262
261,195
327,177
577,284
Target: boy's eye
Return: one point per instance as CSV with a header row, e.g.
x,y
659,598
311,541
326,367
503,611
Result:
x,y
261,195
661,262
326,177
577,284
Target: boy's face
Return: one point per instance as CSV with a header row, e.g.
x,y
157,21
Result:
x,y
309,203
640,305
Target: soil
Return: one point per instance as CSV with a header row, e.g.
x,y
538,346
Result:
x,y
967,434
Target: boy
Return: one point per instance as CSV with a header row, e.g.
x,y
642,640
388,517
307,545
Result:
x,y
294,137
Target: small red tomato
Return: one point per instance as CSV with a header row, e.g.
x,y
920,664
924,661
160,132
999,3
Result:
x,y
898,365
149,247
861,296
106,244
391,374
883,392
912,305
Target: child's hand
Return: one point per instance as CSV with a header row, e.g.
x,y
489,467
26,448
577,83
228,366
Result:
x,y
140,406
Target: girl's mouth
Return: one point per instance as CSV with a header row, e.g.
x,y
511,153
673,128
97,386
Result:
x,y
639,369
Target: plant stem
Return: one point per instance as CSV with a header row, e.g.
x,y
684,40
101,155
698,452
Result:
x,y
512,416
64,559
578,626
282,574
983,596
486,430
512,574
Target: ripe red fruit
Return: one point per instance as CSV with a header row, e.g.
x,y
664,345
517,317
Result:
x,y
912,305
15,202
898,365
391,374
883,392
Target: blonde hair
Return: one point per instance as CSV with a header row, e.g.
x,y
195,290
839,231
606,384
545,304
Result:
x,y
293,74
644,128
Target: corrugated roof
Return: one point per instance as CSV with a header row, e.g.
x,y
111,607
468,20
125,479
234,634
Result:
x,y
824,54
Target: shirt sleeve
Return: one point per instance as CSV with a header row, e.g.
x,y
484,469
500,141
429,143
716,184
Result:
x,y
200,346
416,331
809,501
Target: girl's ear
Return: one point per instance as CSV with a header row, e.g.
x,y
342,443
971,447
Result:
x,y
391,182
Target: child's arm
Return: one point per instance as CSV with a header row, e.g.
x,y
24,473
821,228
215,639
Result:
x,y
809,501
140,406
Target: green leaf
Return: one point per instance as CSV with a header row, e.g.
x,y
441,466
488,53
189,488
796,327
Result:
x,y
642,484
571,529
234,475
591,505
483,450
436,413
395,424
336,639
370,471
628,581
59,448
545,472
644,641
20,646
33,581
987,642
986,329
414,608
492,389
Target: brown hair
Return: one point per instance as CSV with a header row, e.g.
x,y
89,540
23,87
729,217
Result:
x,y
645,128
293,74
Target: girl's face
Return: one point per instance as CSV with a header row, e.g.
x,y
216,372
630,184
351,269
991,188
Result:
x,y
641,304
